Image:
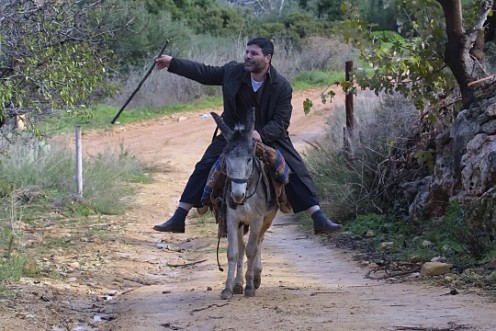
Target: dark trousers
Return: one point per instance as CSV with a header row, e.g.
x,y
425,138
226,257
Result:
x,y
300,197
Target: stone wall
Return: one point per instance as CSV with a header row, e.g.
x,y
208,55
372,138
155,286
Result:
x,y
465,169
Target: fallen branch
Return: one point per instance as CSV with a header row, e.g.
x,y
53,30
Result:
x,y
481,80
388,275
184,265
428,328
208,307
325,292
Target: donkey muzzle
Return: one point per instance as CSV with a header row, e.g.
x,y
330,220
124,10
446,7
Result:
x,y
238,190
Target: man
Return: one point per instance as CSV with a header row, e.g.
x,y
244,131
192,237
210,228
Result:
x,y
254,83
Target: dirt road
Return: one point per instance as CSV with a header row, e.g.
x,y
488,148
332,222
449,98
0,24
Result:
x,y
171,282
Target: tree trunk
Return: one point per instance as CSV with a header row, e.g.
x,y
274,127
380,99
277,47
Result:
x,y
458,57
490,30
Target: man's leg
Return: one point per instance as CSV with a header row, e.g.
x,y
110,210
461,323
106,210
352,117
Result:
x,y
302,199
193,191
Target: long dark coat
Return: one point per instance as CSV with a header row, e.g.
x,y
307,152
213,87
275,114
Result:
x,y
276,105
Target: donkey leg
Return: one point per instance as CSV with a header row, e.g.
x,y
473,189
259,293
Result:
x,y
258,261
238,286
251,254
232,258
257,277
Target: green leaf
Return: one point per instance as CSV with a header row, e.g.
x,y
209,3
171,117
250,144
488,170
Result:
x,y
307,105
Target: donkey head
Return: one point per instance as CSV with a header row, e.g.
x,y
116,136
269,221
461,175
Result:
x,y
238,154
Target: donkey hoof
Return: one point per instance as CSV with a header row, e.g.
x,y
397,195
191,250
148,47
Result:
x,y
249,292
226,294
257,281
238,289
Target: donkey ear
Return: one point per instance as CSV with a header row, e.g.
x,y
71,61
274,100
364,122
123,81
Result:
x,y
250,119
226,131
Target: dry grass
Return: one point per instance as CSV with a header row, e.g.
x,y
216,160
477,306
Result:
x,y
365,181
163,89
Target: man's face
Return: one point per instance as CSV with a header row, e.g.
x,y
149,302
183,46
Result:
x,y
255,61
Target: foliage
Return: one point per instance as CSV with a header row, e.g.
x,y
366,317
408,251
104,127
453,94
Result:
x,y
222,21
47,64
324,9
292,28
415,63
450,237
146,31
460,230
366,179
412,66
379,13
202,16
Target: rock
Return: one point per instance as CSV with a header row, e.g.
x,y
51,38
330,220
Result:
x,y
435,268
370,234
479,165
182,118
387,245
426,244
416,258
438,259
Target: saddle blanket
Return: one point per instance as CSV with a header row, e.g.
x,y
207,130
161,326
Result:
x,y
269,155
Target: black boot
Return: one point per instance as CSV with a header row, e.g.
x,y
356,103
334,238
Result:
x,y
321,224
175,224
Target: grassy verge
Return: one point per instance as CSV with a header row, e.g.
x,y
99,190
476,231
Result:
x,y
101,115
40,211
316,78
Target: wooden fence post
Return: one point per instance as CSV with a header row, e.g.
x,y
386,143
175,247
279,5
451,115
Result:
x,y
79,162
350,119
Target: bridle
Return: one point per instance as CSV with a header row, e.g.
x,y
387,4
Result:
x,y
257,165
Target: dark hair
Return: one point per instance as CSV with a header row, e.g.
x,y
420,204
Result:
x,y
265,44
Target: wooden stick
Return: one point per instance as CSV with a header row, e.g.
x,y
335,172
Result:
x,y
481,80
140,83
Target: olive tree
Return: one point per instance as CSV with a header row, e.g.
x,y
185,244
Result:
x,y
52,55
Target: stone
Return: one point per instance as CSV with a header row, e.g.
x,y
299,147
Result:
x,y
435,268
479,165
387,245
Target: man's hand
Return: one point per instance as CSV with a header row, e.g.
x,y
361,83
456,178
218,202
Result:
x,y
256,136
162,62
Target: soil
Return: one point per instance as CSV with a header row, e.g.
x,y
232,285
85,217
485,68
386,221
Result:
x,y
138,279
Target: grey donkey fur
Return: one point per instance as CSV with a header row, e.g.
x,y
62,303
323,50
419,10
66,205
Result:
x,y
248,203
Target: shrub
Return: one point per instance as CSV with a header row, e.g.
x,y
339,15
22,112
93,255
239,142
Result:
x,y
364,180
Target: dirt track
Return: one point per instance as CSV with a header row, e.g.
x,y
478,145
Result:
x,y
305,285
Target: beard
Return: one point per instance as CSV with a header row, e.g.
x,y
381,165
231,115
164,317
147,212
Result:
x,y
254,66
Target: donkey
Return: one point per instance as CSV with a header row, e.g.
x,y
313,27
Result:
x,y
249,203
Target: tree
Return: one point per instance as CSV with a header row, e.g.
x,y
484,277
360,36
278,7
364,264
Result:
x,y
53,55
415,63
458,55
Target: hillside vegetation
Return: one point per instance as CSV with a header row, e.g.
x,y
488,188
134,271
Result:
x,y
65,63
